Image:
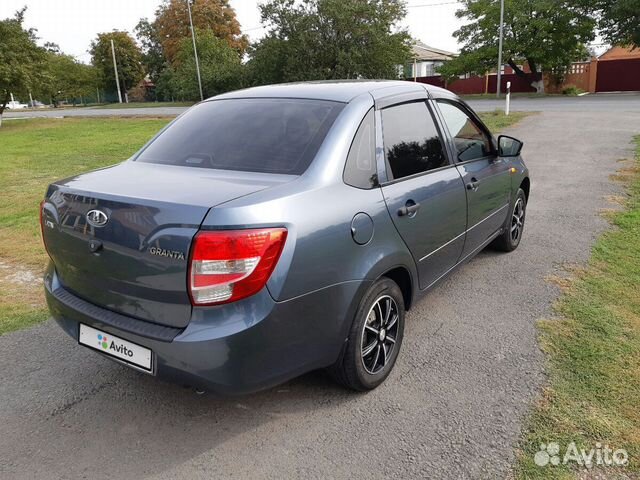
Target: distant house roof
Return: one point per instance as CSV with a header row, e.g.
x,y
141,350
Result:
x,y
620,53
426,53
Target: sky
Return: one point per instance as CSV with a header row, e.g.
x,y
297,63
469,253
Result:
x,y
73,24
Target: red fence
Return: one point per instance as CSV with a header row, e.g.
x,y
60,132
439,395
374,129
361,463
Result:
x,y
468,86
595,76
518,84
618,75
479,85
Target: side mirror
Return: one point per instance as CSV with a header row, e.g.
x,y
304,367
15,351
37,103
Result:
x,y
509,146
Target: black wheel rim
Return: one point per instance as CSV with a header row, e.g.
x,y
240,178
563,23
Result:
x,y
517,221
379,334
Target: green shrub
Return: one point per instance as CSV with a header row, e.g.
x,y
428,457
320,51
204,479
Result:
x,y
572,91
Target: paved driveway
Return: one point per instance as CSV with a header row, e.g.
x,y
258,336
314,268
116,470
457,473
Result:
x,y
453,408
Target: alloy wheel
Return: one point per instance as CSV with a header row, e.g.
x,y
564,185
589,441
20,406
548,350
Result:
x,y
379,334
517,221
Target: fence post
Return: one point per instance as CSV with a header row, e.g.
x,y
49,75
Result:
x,y
508,99
593,74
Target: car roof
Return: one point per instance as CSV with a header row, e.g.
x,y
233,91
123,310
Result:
x,y
337,90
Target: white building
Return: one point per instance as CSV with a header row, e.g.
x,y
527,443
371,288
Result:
x,y
426,60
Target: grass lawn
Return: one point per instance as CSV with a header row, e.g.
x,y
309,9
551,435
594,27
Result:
x,y
498,121
33,154
146,105
593,354
36,152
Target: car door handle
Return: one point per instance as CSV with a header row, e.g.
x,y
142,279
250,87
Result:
x,y
409,209
473,184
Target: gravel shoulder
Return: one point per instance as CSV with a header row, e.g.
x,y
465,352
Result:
x,y
453,408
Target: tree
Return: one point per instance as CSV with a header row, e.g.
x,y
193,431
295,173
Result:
x,y
172,24
128,58
547,35
21,60
68,78
220,67
330,39
619,21
153,58
268,61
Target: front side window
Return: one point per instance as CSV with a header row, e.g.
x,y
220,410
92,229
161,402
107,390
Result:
x,y
411,140
470,141
271,135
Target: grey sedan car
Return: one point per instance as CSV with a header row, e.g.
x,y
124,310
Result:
x,y
277,230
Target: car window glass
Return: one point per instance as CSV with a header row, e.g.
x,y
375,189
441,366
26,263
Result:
x,y
360,169
271,135
470,141
411,140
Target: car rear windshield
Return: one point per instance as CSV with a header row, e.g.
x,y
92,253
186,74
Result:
x,y
272,135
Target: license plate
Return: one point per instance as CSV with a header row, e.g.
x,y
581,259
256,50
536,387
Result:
x,y
115,347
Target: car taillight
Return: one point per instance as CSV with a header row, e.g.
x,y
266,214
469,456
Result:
x,y
228,265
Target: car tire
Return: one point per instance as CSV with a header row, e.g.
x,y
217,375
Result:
x,y
513,228
375,338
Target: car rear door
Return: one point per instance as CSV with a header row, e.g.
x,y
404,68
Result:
x,y
423,190
486,176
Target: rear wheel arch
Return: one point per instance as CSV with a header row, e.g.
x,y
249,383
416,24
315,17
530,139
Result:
x,y
525,185
402,277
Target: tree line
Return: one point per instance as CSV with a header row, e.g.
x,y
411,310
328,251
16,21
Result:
x,y
304,40
546,35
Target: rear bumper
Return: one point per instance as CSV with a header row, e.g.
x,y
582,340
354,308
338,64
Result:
x,y
241,347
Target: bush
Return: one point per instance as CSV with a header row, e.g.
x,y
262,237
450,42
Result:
x,y
572,91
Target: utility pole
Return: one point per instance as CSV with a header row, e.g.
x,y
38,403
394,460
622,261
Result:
x,y
500,49
115,67
195,50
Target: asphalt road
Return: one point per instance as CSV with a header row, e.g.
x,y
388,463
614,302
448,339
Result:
x,y
469,370
625,102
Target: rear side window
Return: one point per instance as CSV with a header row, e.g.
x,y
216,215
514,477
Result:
x,y
360,170
470,141
272,135
411,141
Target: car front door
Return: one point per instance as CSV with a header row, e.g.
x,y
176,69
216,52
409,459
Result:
x,y
486,176
424,191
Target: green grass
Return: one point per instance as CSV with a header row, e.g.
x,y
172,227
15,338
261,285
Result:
x,y
593,352
498,121
34,153
145,105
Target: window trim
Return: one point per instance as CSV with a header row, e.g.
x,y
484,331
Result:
x,y
436,122
415,175
375,159
477,122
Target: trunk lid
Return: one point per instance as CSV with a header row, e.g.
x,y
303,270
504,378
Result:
x,y
137,262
